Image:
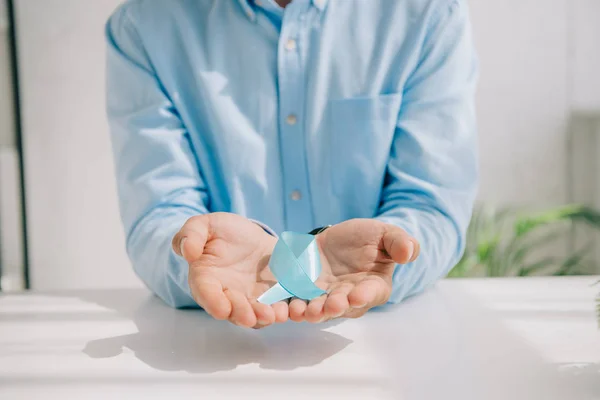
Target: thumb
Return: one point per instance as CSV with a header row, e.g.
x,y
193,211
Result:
x,y
189,242
401,247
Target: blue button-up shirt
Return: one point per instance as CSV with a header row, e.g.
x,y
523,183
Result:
x,y
299,117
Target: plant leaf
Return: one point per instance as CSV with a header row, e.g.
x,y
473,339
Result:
x,y
573,261
527,270
520,248
525,225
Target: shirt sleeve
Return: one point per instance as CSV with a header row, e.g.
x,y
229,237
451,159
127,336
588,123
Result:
x,y
432,174
158,179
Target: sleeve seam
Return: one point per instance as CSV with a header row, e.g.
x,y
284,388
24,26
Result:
x,y
435,20
139,41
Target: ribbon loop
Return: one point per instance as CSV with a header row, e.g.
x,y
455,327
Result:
x,y
296,264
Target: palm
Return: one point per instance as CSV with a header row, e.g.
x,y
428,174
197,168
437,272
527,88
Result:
x,y
237,255
228,258
352,252
358,258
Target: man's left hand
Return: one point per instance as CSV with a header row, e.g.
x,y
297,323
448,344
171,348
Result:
x,y
358,259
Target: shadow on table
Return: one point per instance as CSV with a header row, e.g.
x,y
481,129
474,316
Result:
x,y
190,340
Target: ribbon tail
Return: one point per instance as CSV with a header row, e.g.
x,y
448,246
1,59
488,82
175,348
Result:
x,y
274,294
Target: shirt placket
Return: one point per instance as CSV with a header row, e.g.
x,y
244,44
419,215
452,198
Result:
x,y
291,79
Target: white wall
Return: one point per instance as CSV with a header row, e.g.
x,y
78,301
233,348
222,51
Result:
x,y
522,99
585,55
539,60
11,251
75,235
6,108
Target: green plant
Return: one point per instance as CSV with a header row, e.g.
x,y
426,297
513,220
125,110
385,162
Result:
x,y
510,242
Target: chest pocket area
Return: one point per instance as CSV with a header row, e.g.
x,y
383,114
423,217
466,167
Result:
x,y
362,130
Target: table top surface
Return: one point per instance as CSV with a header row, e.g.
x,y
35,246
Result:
x,y
526,338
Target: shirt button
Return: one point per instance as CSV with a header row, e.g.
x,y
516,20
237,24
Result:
x,y
291,119
290,44
296,195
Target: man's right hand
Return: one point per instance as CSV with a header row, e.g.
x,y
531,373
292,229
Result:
x,y
228,257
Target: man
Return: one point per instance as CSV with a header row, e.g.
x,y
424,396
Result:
x,y
234,120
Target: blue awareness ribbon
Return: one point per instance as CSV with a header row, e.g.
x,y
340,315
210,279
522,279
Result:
x,y
296,264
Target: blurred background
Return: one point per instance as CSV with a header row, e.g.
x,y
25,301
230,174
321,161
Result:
x,y
539,128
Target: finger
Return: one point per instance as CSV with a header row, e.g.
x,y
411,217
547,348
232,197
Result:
x,y
242,313
369,293
297,309
281,311
314,310
190,240
417,250
337,301
356,312
265,315
399,245
208,293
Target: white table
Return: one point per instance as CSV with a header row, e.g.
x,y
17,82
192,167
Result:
x,y
529,338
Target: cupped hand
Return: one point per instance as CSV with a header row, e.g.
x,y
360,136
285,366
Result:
x,y
358,259
228,258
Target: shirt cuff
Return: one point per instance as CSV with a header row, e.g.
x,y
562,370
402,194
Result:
x,y
265,227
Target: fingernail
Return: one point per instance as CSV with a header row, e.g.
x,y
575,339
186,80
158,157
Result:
x,y
181,246
262,322
339,314
410,249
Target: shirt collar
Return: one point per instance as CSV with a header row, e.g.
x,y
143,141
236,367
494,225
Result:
x,y
249,11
